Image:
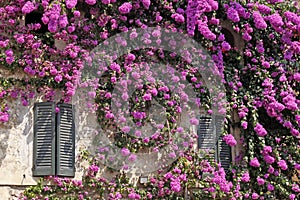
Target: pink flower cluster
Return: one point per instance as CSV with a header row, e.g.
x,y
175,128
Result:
x,y
261,78
230,140
260,130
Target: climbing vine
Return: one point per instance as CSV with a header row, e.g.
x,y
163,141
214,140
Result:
x,y
261,78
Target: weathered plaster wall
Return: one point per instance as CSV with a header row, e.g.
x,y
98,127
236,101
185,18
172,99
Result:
x,y
16,147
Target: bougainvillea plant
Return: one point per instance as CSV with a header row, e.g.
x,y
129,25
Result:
x,y
262,81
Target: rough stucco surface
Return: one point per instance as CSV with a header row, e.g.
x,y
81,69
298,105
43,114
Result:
x,y
9,193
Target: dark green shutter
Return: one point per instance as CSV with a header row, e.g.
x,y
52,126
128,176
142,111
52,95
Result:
x,y
206,136
44,139
224,154
224,150
65,141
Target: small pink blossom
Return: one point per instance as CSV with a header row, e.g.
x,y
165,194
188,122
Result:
x,y
126,129
282,164
254,162
24,102
270,187
259,129
244,125
269,159
90,2
297,77
125,152
297,166
246,177
4,117
255,196
105,1
230,140
146,140
260,181
146,3
92,94
271,170
71,3
132,157
109,115
28,7
125,8
147,97
94,168
172,155
194,121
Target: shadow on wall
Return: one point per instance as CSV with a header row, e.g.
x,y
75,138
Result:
x,y
19,126
4,136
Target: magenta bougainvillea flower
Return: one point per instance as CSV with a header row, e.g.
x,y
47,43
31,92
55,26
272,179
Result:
x,y
4,117
254,47
91,2
245,177
28,7
233,15
71,3
259,21
230,140
146,3
254,162
282,164
260,130
125,152
125,8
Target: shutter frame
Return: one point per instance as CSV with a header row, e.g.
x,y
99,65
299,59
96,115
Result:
x,y
44,135
224,150
65,141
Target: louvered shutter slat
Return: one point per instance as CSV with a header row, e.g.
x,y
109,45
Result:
x,y
225,155
224,150
65,141
206,139
44,139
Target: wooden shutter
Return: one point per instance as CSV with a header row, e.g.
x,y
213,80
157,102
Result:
x,y
44,139
65,141
206,136
224,150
